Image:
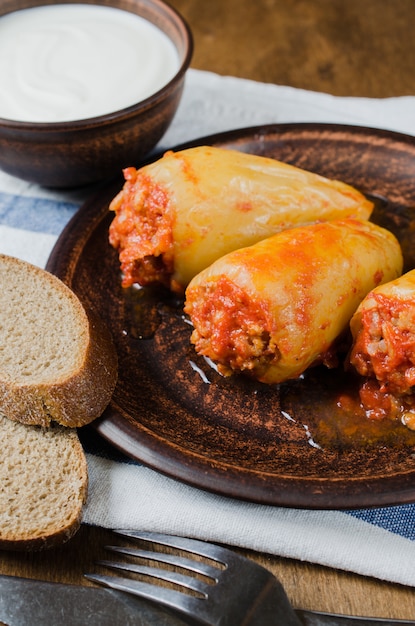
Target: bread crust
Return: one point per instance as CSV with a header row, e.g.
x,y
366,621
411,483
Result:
x,y
80,395
43,486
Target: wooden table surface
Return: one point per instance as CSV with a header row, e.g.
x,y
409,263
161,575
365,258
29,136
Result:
x,y
343,47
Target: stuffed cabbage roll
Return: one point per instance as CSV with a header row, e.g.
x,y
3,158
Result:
x,y
175,216
273,309
383,329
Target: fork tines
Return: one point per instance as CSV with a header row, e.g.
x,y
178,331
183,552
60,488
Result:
x,y
189,604
225,589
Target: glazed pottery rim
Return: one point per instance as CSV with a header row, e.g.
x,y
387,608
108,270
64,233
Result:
x,y
123,114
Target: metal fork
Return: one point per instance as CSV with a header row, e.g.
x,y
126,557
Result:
x,y
239,592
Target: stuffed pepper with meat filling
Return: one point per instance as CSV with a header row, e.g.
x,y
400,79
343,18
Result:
x,y
383,350
175,216
273,309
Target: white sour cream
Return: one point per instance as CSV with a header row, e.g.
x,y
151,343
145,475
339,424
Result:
x,y
76,61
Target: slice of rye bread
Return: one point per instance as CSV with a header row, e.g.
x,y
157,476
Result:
x,y
57,360
43,485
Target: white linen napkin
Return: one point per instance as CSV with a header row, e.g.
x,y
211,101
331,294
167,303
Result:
x,y
377,542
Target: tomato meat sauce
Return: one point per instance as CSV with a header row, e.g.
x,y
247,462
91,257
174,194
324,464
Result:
x,y
141,230
385,347
230,327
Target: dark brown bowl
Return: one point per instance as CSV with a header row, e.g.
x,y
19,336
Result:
x,y
70,154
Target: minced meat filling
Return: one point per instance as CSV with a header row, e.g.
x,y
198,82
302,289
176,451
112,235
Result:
x,y
385,347
142,230
230,328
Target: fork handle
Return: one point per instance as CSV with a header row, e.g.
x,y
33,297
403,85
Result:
x,y
272,608
313,618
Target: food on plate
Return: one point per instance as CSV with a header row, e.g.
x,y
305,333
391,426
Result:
x,y
58,362
275,308
383,350
44,484
175,216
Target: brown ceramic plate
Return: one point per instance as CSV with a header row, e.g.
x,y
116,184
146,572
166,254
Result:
x,y
287,445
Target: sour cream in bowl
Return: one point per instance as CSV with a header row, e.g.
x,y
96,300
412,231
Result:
x,y
87,89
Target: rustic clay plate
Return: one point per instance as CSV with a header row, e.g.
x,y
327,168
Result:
x,y
289,445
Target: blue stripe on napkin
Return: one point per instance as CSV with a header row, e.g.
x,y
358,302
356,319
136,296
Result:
x,y
396,519
39,215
